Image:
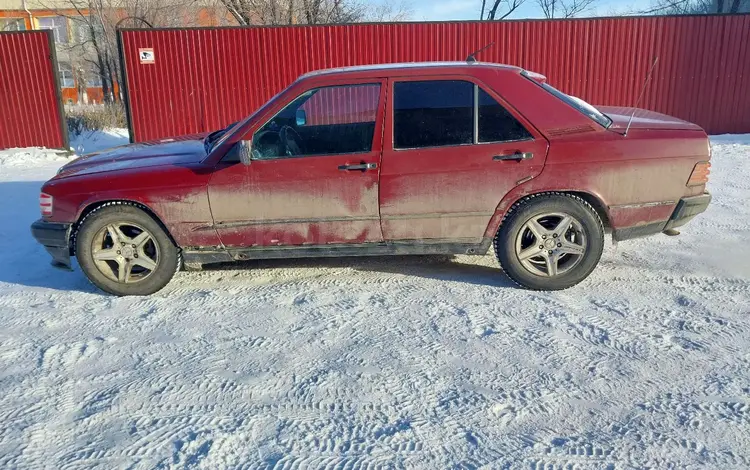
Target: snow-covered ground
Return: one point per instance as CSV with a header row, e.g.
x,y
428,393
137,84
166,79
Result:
x,y
423,362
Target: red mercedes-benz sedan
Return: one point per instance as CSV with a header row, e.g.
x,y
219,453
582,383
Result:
x,y
377,160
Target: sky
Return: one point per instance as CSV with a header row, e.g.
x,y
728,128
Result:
x,y
441,10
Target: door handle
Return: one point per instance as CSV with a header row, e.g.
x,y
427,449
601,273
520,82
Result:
x,y
358,167
517,156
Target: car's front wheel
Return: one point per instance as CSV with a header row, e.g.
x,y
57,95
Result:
x,y
124,251
550,241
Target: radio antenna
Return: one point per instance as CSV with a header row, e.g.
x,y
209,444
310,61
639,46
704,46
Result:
x,y
471,58
643,90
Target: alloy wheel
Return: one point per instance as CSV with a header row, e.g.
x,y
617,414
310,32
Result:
x,y
550,244
125,252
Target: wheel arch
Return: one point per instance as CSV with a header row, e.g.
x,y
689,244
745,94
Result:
x,y
504,208
96,205
595,202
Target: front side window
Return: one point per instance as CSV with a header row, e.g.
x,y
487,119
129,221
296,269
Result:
x,y
322,121
58,24
440,113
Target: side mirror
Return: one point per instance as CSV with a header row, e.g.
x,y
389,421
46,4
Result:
x,y
240,152
301,117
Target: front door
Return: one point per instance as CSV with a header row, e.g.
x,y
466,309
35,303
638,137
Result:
x,y
452,150
313,179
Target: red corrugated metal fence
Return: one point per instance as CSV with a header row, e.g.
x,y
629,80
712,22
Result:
x,y
31,113
203,79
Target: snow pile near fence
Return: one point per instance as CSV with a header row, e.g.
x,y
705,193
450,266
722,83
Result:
x,y
96,141
89,141
392,362
31,157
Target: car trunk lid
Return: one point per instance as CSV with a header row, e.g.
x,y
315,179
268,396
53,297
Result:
x,y
644,119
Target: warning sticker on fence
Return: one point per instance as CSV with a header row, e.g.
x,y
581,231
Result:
x,y
146,55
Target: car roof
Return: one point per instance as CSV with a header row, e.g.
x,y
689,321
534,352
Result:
x,y
409,67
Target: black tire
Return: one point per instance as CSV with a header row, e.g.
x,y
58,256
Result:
x,y
168,261
538,205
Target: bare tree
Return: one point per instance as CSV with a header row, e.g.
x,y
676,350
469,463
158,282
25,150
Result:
x,y
387,11
93,44
564,8
690,7
280,12
505,8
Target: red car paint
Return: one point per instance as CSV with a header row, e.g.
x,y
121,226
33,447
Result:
x,y
456,193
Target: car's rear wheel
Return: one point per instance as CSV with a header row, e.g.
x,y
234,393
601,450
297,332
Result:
x,y
550,241
124,251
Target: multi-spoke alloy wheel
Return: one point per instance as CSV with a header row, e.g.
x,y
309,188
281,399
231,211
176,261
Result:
x,y
550,241
551,244
125,251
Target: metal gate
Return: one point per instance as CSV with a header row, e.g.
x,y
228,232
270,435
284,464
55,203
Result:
x,y
31,110
194,80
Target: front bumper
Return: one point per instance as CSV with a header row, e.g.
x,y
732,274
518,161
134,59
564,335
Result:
x,y
56,240
686,209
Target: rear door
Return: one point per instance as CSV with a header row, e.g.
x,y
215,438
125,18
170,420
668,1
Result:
x,y
313,179
452,150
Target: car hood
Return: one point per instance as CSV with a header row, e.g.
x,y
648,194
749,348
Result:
x,y
643,119
175,151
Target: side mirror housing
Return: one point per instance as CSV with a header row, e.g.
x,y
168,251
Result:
x,y
301,117
241,151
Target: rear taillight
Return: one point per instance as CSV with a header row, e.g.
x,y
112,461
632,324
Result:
x,y
700,174
45,204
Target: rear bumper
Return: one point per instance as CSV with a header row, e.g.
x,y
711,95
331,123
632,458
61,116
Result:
x,y
687,208
55,238
684,211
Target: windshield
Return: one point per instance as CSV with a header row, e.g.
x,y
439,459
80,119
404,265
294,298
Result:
x,y
580,105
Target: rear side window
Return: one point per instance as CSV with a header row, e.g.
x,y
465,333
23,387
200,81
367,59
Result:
x,y
433,113
439,113
496,124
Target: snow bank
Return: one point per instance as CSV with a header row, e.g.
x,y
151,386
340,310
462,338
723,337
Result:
x,y
90,141
413,362
95,141
30,157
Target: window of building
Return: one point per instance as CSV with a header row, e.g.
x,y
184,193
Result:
x,y
323,121
58,24
66,75
81,31
93,78
12,24
440,113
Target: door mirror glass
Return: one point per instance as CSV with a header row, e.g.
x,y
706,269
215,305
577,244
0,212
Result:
x,y
301,117
240,152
